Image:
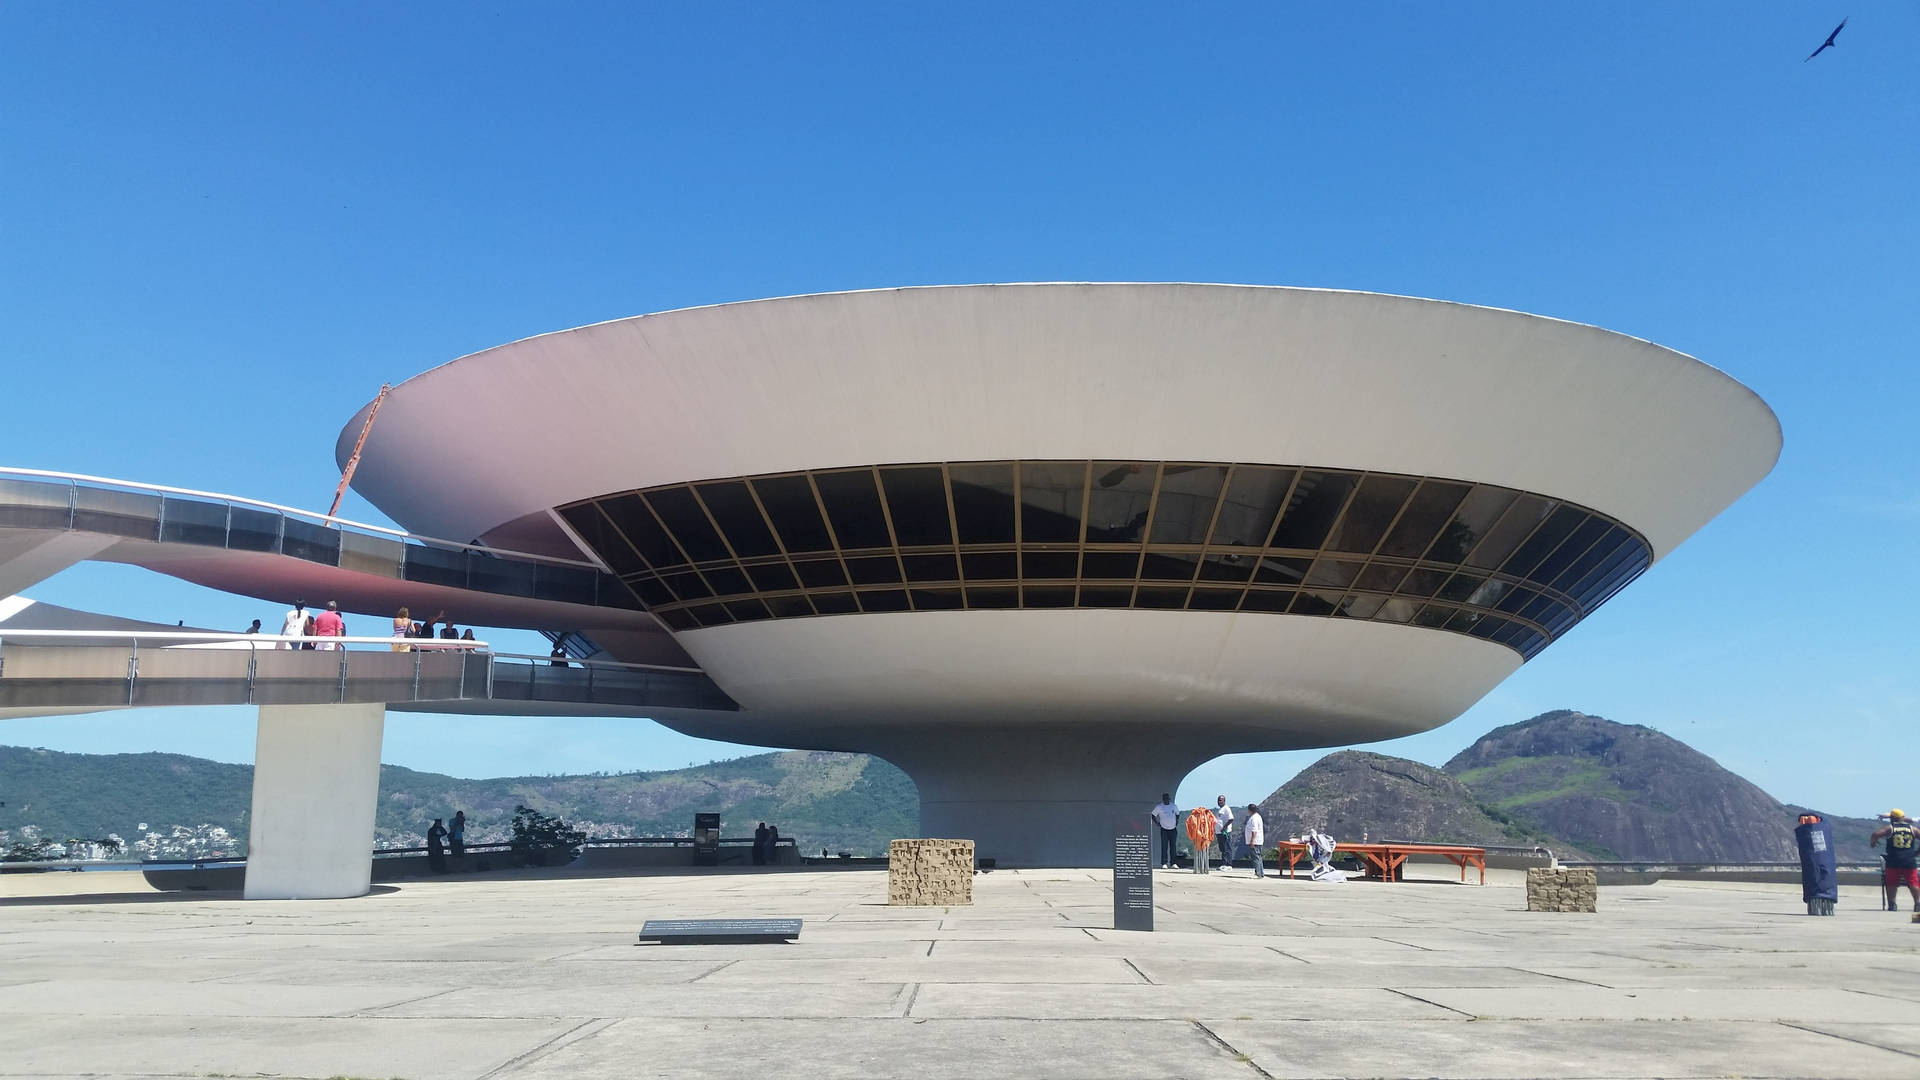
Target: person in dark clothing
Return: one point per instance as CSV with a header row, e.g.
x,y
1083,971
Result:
x,y
457,833
760,845
1903,858
437,847
558,657
773,845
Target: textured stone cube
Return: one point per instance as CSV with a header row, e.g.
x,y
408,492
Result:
x,y
1562,889
930,873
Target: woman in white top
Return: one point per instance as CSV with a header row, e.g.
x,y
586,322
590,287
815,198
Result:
x,y
402,628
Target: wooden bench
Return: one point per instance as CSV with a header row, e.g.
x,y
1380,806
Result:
x,y
1384,860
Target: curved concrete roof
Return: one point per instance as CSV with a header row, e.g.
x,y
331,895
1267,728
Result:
x,y
1131,371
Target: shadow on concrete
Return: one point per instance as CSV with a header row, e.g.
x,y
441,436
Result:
x,y
190,896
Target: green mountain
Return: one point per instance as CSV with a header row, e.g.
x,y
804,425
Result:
x,y
841,802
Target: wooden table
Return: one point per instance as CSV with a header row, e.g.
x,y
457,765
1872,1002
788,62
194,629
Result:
x,y
1384,860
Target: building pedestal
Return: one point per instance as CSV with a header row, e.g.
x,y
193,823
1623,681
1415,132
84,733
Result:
x,y
316,785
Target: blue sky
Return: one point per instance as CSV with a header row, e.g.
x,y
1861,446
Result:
x,y
223,226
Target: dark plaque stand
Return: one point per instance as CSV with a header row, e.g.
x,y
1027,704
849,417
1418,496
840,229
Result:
x,y
706,839
719,931
1132,874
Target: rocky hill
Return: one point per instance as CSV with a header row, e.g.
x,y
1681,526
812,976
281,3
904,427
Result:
x,y
1624,791
843,802
1353,793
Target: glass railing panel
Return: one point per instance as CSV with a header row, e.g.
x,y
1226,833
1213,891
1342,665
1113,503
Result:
x,y
193,521
565,584
500,576
309,541
31,504
121,513
435,566
372,554
253,530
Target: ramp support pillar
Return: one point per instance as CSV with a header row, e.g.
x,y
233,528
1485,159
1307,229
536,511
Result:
x,y
316,784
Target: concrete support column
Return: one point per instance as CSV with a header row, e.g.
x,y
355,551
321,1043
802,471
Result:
x,y
1042,798
316,784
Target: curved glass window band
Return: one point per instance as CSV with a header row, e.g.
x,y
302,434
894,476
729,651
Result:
x,y
1511,567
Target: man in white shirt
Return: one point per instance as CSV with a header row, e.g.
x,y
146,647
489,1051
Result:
x,y
1223,831
1167,817
1253,833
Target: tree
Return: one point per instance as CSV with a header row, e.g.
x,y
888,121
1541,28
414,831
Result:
x,y
537,835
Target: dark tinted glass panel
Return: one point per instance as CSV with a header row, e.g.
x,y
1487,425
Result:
x,y
687,586
1315,603
931,567
500,576
991,566
1106,596
1577,543
874,570
820,573
253,530
934,599
1253,500
1381,577
883,600
594,530
991,598
1049,564
748,610
122,513
630,515
183,521
687,523
1188,496
1461,586
795,514
726,581
1315,505
1602,549
1214,599
712,614
1426,514
789,607
1626,553
1169,566
1047,596
1361,605
305,540
1333,572
1151,597
1476,515
1516,599
651,592
30,504
1424,582
1397,609
1274,600
983,503
731,505
1107,564
834,603
1282,570
853,506
773,577
679,620
1370,513
1558,526
1524,513
1051,494
1228,567
917,501
1118,501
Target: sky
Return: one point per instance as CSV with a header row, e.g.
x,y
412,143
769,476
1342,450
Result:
x,y
223,226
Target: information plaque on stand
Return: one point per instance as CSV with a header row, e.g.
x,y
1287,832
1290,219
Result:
x,y
1132,874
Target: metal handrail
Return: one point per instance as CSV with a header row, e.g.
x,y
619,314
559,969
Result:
x,y
331,521
135,636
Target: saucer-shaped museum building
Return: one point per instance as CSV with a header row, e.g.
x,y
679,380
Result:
x,y
1047,547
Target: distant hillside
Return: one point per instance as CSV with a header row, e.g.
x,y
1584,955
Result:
x,y
842,802
1353,793
1624,791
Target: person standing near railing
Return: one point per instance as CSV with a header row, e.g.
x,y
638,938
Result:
x,y
402,628
328,624
294,625
457,833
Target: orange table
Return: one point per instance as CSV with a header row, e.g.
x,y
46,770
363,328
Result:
x,y
1384,860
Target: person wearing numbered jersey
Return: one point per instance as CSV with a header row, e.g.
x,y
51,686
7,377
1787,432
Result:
x,y
1903,857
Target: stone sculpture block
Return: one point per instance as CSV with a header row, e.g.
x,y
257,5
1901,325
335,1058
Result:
x,y
1562,889
930,873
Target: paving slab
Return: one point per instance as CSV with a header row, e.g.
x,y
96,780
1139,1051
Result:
x,y
1664,1003
1003,1001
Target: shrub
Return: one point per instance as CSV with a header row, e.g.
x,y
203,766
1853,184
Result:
x,y
537,835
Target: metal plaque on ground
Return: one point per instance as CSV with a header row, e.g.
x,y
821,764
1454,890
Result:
x,y
719,931
1132,874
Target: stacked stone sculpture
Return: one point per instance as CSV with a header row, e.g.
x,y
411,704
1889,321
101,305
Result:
x,y
1562,889
930,873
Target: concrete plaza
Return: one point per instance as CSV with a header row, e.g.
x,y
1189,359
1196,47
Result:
x,y
529,978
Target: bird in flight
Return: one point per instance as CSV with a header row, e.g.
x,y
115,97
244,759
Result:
x,y
1828,44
